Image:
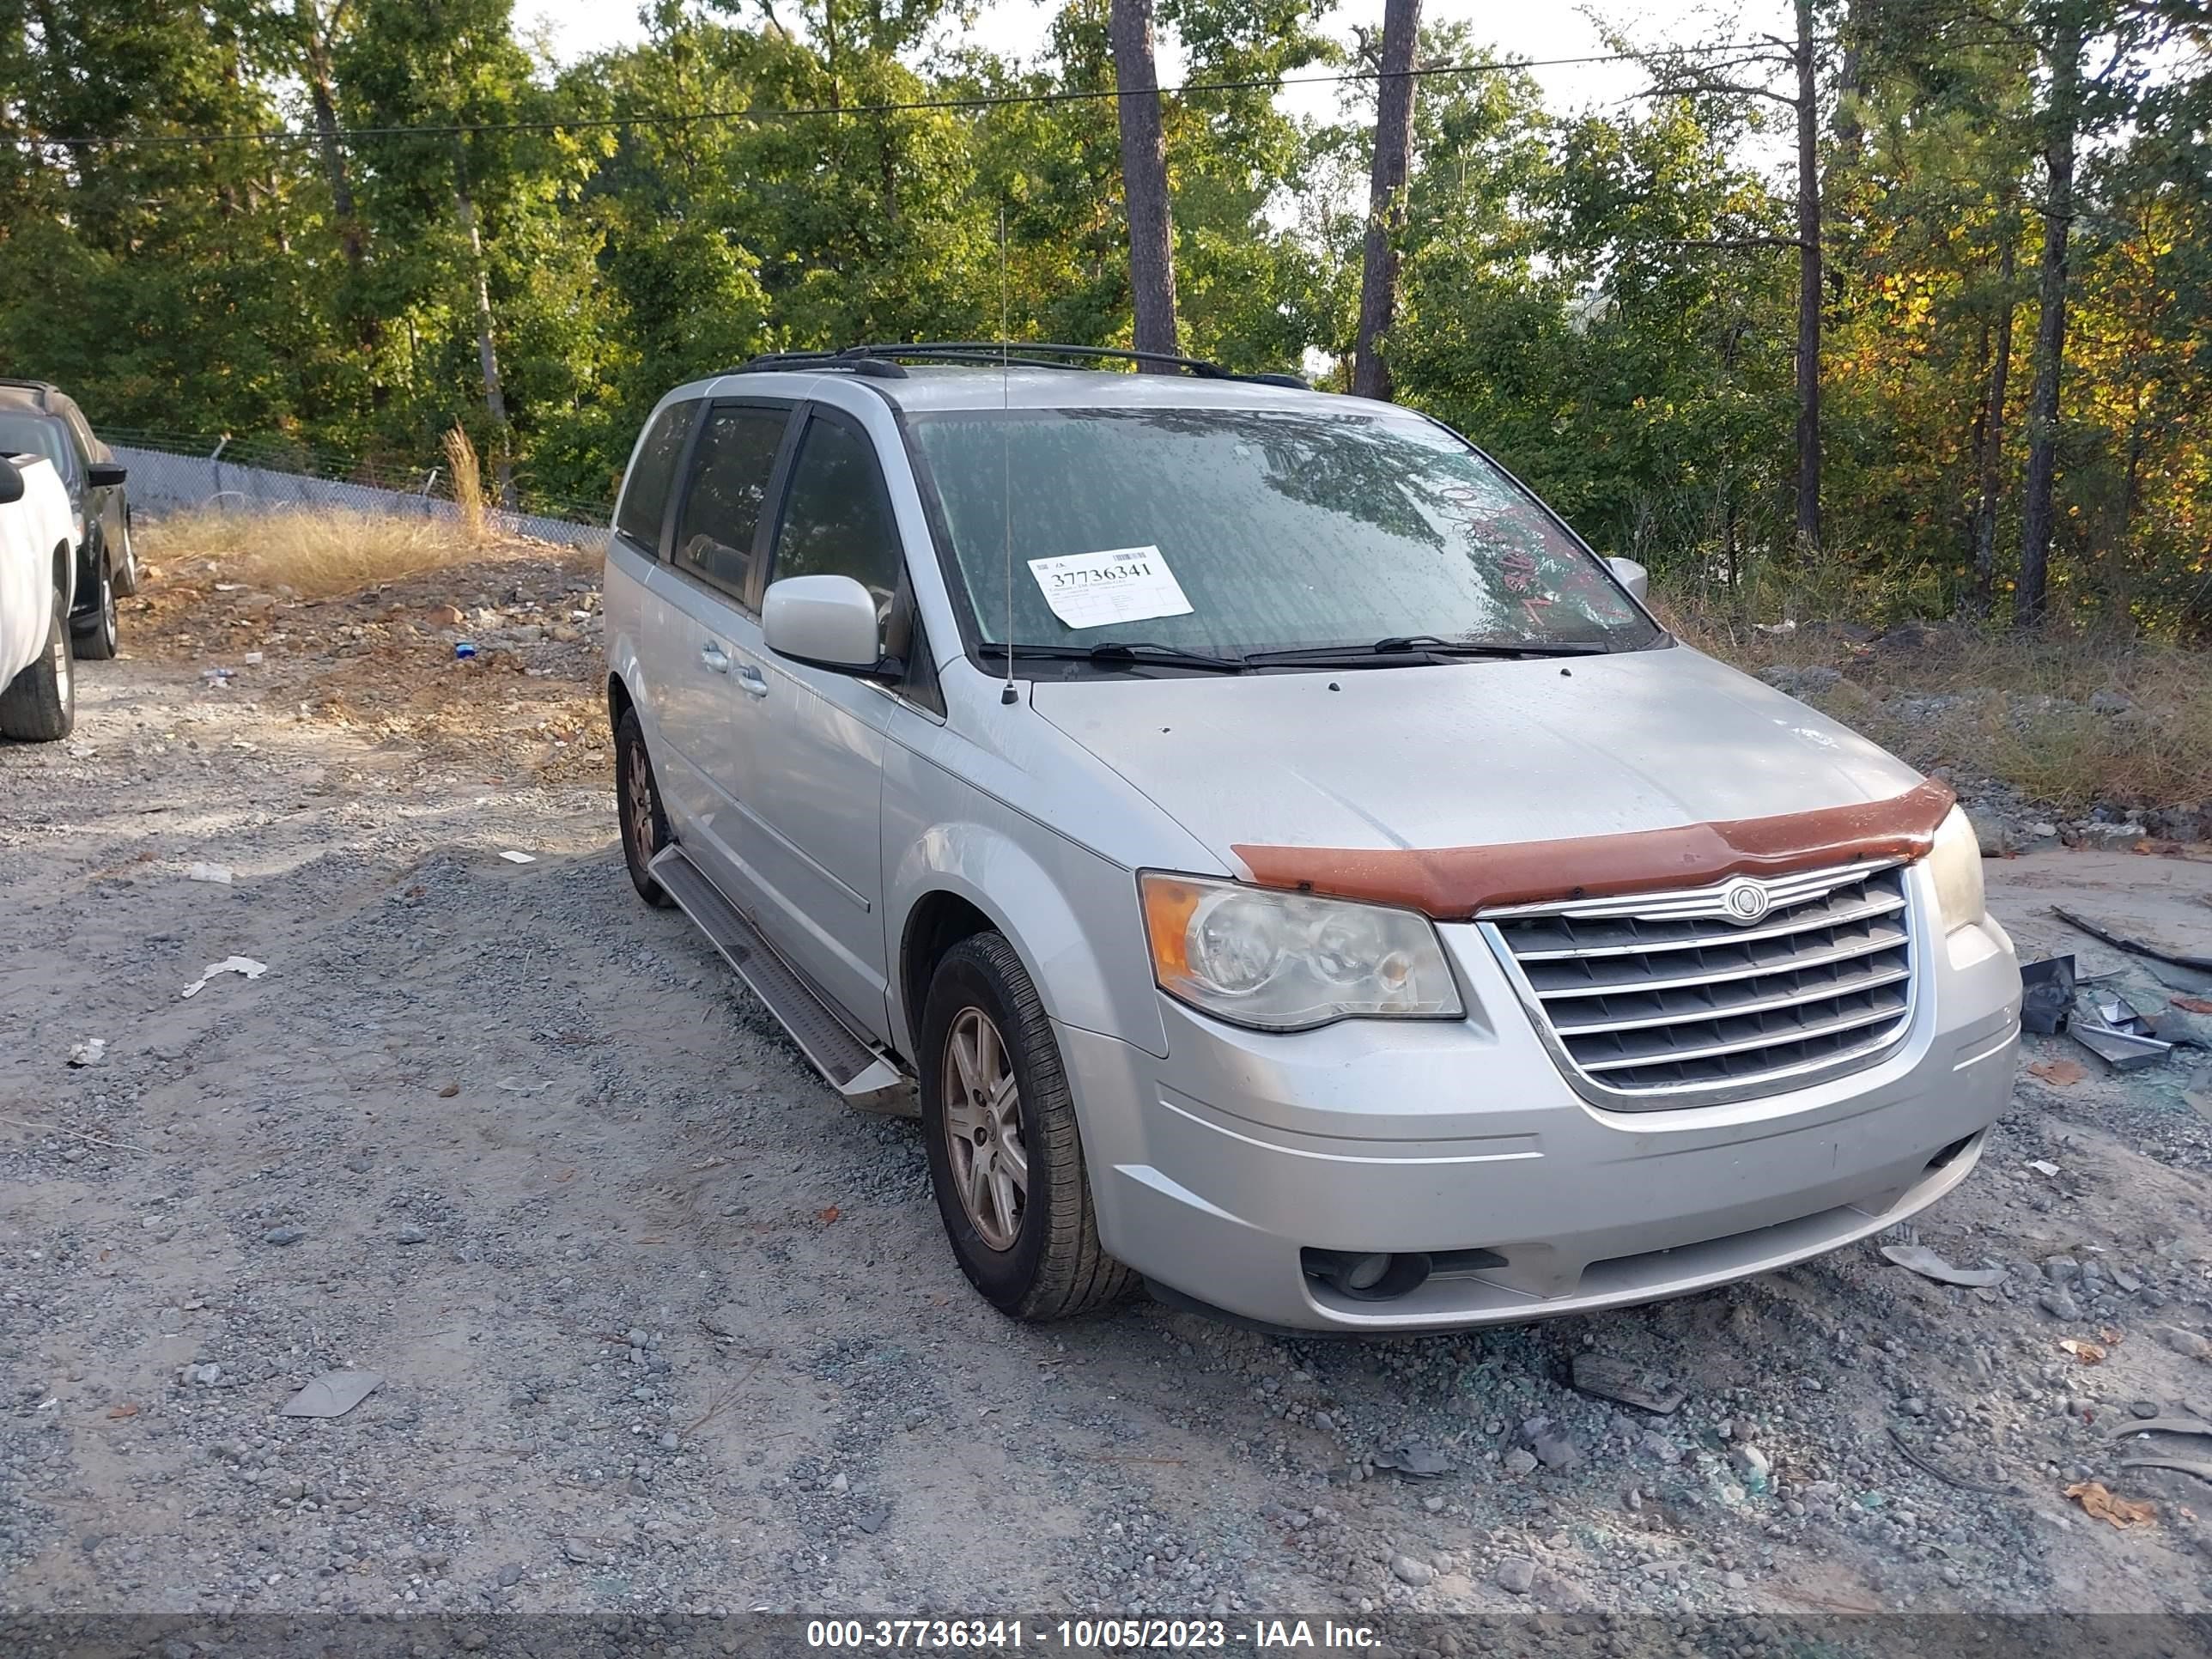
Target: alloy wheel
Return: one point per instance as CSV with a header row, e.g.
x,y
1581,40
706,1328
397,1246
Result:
x,y
637,800
983,1128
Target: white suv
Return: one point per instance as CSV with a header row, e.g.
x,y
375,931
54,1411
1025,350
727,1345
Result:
x,y
1294,868
38,585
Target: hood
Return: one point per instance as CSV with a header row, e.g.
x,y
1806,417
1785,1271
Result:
x,y
1465,754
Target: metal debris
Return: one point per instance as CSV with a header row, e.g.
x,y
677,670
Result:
x,y
2187,1466
2114,1032
1417,1462
333,1393
1616,1379
2047,999
2158,1426
1919,1259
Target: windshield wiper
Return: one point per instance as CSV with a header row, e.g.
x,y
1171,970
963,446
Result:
x,y
1112,651
1430,647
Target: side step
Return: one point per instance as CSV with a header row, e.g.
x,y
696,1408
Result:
x,y
855,1067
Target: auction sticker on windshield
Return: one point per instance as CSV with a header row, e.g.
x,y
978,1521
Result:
x,y
1123,584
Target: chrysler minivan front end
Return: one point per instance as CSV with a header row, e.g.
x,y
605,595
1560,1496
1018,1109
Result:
x,y
1627,1099
1276,857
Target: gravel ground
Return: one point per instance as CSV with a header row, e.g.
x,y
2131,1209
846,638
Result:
x,y
663,1326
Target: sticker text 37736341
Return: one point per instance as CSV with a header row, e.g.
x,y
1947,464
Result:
x,y
1122,584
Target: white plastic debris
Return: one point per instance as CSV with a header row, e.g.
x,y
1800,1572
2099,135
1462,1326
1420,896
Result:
x,y
219,873
1790,627
333,1393
252,660
90,1052
513,857
2044,1167
245,965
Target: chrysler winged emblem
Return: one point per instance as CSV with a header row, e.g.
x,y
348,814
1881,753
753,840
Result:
x,y
1744,901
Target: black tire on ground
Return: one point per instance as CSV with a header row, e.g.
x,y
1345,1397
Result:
x,y
637,805
1055,1266
94,636
39,704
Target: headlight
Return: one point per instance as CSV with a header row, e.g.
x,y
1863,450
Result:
x,y
1283,962
1955,862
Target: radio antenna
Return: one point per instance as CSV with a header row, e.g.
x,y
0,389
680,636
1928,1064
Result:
x,y
1005,458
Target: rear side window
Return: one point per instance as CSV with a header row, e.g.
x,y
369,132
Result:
x,y
645,496
730,474
836,521
79,428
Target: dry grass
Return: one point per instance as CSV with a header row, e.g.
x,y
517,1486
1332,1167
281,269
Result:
x,y
2021,709
321,555
467,476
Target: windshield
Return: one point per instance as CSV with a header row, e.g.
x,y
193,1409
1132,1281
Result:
x,y
1230,531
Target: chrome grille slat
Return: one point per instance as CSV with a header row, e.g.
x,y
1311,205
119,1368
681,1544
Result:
x,y
1727,1011
1843,950
1849,1021
1692,936
1663,1002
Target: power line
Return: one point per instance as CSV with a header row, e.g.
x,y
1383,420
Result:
x,y
1753,51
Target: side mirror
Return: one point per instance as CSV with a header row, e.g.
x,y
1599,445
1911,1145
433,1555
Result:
x,y
827,621
1633,576
106,475
11,482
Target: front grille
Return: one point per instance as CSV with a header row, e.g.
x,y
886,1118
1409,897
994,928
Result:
x,y
1663,996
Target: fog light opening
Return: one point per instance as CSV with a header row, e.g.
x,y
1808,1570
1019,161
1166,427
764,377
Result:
x,y
1369,1275
1950,1152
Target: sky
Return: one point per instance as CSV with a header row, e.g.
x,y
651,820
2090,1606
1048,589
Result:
x,y
1528,29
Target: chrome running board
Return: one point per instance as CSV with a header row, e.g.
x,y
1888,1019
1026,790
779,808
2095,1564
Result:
x,y
855,1067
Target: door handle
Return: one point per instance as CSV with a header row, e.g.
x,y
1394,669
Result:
x,y
716,658
752,679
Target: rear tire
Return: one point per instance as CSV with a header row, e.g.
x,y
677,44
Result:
x,y
1008,1173
94,637
637,805
39,704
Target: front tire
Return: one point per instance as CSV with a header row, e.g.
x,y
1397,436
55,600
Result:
x,y
39,704
94,636
1004,1156
637,804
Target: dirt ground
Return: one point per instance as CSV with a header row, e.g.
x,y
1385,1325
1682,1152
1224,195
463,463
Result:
x,y
661,1326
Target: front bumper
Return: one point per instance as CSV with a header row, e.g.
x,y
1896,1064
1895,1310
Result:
x,y
1214,1169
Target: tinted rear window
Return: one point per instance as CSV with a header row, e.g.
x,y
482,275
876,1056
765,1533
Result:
x,y
32,434
645,496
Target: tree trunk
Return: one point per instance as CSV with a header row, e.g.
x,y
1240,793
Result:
x,y
1808,290
317,33
465,208
2061,119
1145,177
1992,458
1386,197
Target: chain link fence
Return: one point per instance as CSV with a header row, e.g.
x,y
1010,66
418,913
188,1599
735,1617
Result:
x,y
175,469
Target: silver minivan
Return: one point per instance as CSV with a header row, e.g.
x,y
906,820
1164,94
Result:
x,y
1278,859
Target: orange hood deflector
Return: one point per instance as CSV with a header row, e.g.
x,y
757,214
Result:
x,y
1452,882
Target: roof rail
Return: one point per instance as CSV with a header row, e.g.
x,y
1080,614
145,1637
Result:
x,y
883,360
42,387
